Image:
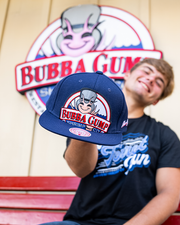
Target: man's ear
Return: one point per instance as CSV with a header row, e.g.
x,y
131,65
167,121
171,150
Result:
x,y
126,75
154,103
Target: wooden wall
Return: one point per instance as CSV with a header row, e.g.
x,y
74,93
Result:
x,y
25,147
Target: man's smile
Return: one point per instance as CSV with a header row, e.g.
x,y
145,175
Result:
x,y
145,86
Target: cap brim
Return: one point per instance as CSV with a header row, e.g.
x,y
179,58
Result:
x,y
57,126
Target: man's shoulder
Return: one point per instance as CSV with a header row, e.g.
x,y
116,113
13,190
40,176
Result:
x,y
165,130
156,121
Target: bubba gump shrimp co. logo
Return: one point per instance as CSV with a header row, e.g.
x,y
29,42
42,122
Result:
x,y
85,38
87,110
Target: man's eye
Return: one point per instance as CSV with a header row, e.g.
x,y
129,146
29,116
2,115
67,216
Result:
x,y
159,83
147,72
81,103
68,37
89,105
87,34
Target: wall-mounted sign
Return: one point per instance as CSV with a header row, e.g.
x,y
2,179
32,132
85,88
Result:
x,y
86,38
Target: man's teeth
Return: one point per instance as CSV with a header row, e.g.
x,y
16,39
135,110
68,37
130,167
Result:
x,y
145,86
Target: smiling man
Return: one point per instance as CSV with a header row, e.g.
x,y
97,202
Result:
x,y
147,83
136,182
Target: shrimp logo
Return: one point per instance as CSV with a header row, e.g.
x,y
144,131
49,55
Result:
x,y
79,34
87,110
86,38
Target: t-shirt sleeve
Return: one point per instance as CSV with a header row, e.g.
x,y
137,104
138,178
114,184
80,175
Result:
x,y
67,144
169,155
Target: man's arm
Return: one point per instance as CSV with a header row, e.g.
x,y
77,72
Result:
x,y
81,157
166,201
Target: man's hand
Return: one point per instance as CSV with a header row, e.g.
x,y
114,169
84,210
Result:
x,y
81,157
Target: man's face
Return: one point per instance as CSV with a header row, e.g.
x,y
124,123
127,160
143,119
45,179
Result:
x,y
145,84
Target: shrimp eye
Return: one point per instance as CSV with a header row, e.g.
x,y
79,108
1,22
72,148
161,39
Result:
x,y
87,34
68,37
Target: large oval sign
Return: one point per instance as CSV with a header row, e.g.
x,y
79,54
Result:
x,y
85,38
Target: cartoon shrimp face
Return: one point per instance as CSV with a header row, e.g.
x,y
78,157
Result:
x,y
79,33
75,44
84,107
86,102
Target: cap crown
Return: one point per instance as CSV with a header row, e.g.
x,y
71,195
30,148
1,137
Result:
x,y
108,94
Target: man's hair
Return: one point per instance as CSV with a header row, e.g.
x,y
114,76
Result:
x,y
165,69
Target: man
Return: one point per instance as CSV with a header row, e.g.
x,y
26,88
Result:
x,y
138,181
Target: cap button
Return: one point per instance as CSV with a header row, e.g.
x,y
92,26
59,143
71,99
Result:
x,y
99,72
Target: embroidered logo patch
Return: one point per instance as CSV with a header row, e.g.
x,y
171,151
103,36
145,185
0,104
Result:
x,y
125,123
88,110
80,132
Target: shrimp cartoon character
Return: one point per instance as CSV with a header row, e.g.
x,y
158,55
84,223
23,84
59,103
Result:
x,y
79,30
85,104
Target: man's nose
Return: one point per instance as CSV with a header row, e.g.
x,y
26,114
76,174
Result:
x,y
151,79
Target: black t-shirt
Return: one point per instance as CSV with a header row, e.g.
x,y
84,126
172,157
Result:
x,y
123,181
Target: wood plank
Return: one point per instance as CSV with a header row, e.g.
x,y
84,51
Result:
x,y
3,12
36,201
173,220
39,183
139,8
47,156
28,217
178,209
34,217
25,19
59,6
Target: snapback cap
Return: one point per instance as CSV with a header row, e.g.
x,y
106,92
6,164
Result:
x,y
88,107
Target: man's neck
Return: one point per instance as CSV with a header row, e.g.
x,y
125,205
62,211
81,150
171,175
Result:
x,y
135,110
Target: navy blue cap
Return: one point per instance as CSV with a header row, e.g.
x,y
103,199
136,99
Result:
x,y
87,106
